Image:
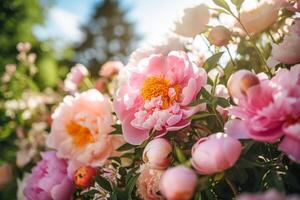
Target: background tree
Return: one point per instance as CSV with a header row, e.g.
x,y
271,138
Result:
x,y
109,36
17,18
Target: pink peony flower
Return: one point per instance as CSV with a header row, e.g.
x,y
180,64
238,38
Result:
x,y
80,129
192,21
269,195
110,68
287,52
270,110
157,153
157,94
75,77
178,183
6,175
260,17
49,180
148,183
215,153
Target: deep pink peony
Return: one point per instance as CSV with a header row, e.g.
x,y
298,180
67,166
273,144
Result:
x,y
215,153
80,130
49,180
156,95
270,110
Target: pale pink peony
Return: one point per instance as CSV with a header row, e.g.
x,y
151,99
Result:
x,y
215,153
287,52
156,95
75,77
49,180
80,129
269,195
178,183
270,110
148,183
192,21
157,153
260,17
110,68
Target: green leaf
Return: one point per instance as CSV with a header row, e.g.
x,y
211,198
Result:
x,y
197,102
130,185
125,147
205,94
212,61
222,4
223,102
118,129
201,115
103,183
238,3
180,155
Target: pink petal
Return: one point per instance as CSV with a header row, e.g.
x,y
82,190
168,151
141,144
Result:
x,y
237,129
133,135
180,125
291,147
188,93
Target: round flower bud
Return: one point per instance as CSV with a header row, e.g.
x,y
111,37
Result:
x,y
157,153
178,183
6,175
83,176
219,36
240,82
215,153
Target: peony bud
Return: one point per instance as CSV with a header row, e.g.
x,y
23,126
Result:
x,y
178,183
83,176
215,153
110,68
219,36
157,153
75,77
100,85
240,82
192,21
5,175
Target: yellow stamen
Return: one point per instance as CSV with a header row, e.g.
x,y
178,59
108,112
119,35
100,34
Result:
x,y
159,86
81,135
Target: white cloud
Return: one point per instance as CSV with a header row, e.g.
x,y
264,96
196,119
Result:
x,y
61,25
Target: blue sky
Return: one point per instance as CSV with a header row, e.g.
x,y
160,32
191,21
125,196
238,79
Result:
x,y
152,18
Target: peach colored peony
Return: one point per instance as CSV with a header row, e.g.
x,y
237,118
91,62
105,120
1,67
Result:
x,y
157,153
192,21
80,129
148,183
287,52
274,114
215,153
260,17
110,68
178,183
156,95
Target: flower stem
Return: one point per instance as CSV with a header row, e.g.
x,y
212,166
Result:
x,y
231,58
254,45
232,186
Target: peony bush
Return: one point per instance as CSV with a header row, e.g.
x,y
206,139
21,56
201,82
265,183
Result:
x,y
212,111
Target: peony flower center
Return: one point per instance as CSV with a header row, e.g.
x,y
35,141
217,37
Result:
x,y
81,135
159,86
